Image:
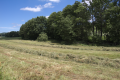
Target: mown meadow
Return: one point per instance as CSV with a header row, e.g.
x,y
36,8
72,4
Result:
x,y
81,42
32,60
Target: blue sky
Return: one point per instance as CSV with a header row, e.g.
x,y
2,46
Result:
x,y
14,13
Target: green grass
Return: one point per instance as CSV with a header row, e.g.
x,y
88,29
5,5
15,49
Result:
x,y
107,52
46,61
9,38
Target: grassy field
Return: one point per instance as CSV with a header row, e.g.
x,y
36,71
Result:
x,y
32,60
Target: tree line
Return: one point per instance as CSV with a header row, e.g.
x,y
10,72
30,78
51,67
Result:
x,y
97,22
12,34
2,34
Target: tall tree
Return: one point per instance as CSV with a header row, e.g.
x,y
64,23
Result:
x,y
91,10
32,28
81,21
52,26
113,22
99,7
65,28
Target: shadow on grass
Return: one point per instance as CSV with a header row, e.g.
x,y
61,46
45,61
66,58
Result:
x,y
75,43
60,42
85,43
103,43
10,38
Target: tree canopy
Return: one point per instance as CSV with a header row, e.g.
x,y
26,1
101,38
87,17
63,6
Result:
x,y
78,22
32,28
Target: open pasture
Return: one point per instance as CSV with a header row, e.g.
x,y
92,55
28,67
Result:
x,y
32,60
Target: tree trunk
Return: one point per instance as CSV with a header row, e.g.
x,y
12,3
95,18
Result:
x,y
101,30
96,30
93,30
92,25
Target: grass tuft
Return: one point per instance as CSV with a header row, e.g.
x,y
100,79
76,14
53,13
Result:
x,y
35,77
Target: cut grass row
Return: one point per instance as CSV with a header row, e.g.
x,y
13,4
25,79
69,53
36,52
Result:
x,y
34,43
22,66
115,63
22,69
104,54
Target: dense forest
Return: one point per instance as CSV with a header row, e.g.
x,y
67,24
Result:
x,y
10,34
98,22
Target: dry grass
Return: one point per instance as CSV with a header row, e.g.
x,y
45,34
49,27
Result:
x,y
72,57
104,54
68,65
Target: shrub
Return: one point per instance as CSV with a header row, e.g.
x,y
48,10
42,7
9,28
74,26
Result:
x,y
96,39
42,37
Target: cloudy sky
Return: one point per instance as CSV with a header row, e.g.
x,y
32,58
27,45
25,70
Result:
x,y
14,13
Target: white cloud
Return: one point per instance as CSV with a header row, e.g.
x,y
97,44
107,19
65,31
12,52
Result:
x,y
7,27
19,24
55,1
48,5
47,16
88,2
16,25
38,8
90,20
9,31
35,9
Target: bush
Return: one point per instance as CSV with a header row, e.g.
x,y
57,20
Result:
x,y
42,37
32,28
96,39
